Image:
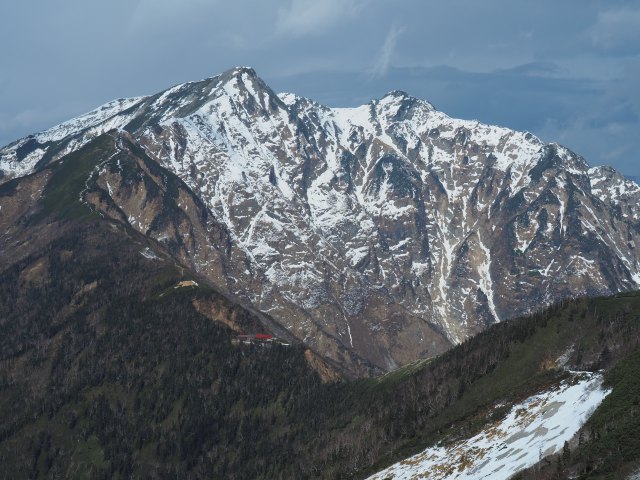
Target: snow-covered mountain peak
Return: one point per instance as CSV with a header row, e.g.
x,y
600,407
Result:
x,y
401,101
242,79
239,72
388,230
396,94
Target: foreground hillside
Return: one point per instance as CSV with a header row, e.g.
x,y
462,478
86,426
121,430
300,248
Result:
x,y
533,428
117,361
115,365
376,235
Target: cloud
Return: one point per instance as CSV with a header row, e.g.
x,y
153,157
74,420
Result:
x,y
386,52
617,30
616,154
158,13
312,17
541,69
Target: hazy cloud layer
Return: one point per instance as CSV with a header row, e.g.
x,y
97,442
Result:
x,y
617,30
566,71
311,17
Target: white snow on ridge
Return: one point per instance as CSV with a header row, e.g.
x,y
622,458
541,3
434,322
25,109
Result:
x,y
609,185
93,118
102,119
533,429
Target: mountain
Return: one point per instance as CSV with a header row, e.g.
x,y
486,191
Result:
x,y
375,235
117,361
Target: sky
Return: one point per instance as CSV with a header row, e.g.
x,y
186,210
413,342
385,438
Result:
x,y
567,71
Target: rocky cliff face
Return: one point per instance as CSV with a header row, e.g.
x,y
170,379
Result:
x,y
376,234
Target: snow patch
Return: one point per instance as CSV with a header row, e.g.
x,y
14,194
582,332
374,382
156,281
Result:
x,y
533,429
149,254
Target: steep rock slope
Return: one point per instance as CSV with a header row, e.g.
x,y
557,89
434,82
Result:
x,y
376,234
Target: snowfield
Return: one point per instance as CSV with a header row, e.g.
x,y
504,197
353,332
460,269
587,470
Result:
x,y
533,429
